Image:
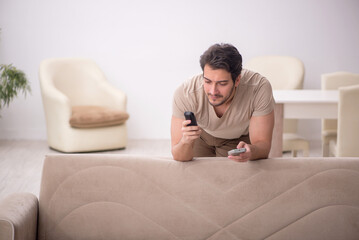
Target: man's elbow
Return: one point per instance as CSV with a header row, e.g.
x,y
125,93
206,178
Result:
x,y
181,158
262,151
266,152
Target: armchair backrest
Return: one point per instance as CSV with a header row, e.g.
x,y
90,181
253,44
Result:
x,y
76,78
283,72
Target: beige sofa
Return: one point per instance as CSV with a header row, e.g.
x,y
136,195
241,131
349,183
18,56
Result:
x,y
110,196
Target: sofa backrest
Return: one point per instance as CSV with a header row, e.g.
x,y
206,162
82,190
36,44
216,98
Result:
x,y
111,196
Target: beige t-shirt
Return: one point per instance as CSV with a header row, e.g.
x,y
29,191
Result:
x,y
253,97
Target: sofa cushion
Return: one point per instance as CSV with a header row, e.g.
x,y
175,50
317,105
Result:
x,y
96,116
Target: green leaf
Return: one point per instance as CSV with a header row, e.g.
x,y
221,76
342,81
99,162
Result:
x,y
12,81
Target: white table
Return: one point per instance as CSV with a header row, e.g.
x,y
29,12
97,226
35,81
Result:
x,y
301,104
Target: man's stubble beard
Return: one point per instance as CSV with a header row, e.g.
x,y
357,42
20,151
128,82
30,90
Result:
x,y
224,101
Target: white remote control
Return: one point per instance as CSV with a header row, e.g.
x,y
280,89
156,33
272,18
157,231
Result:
x,y
237,151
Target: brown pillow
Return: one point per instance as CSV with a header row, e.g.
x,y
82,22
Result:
x,y
96,116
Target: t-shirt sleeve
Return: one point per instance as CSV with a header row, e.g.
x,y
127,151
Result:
x,y
263,99
179,103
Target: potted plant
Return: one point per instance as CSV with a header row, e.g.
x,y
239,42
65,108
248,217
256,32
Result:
x,y
12,81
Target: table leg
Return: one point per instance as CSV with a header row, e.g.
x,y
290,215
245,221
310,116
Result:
x,y
277,138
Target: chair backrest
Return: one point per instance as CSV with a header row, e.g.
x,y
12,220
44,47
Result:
x,y
348,122
283,72
77,78
332,81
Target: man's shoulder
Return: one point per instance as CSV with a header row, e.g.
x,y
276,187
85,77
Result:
x,y
194,83
254,79
188,96
191,86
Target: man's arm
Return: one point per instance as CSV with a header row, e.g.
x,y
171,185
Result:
x,y
260,133
182,139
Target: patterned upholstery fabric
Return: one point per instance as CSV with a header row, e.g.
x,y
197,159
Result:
x,y
136,197
112,196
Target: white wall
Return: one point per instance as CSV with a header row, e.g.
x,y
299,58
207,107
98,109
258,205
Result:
x,y
147,48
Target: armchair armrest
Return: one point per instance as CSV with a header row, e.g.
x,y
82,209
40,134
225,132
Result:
x,y
18,216
55,102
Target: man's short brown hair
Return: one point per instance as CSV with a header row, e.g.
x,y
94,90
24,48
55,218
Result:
x,y
223,56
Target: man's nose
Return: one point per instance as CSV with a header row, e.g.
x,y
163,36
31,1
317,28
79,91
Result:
x,y
213,89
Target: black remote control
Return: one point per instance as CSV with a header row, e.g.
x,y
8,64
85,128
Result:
x,y
190,116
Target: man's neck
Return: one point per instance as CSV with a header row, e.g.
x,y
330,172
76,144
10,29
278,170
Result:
x,y
220,110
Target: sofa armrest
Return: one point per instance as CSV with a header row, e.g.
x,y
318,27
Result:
x,y
18,216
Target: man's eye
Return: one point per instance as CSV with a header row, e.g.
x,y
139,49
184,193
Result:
x,y
222,84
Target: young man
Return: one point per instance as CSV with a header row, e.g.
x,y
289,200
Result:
x,y
234,109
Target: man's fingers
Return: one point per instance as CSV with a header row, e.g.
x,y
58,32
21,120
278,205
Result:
x,y
185,123
196,132
241,144
190,133
186,128
242,157
238,158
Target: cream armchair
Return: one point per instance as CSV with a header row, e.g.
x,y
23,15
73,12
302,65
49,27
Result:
x,y
333,81
284,72
73,82
347,142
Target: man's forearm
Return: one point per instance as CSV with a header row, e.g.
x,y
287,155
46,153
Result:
x,y
182,151
260,150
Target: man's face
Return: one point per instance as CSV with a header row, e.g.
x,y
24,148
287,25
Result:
x,y
218,85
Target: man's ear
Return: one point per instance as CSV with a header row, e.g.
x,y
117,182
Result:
x,y
236,83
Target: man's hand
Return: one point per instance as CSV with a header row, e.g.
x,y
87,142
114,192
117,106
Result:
x,y
243,157
189,133
182,138
260,132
